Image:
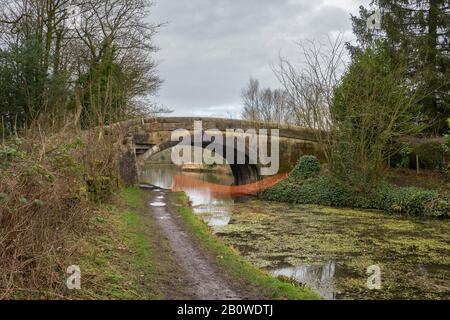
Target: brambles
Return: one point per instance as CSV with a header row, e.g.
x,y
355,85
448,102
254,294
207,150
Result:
x,y
45,203
10,151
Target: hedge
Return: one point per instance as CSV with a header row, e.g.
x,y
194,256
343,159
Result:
x,y
327,191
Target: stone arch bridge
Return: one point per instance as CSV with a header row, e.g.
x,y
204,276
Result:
x,y
144,138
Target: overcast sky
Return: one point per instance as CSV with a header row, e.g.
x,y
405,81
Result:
x,y
210,48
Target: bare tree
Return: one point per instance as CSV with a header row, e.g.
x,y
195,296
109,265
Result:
x,y
250,100
310,87
119,31
355,111
265,105
103,67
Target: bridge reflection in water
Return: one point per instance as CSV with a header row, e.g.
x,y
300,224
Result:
x,y
216,210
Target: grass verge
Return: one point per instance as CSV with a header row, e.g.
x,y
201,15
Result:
x,y
235,266
117,261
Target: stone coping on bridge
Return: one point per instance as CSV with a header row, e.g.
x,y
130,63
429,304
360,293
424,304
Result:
x,y
174,123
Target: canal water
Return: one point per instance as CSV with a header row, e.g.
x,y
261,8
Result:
x,y
326,249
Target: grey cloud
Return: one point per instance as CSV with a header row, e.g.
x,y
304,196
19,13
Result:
x,y
209,49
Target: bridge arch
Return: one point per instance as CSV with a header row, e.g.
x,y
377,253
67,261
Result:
x,y
145,138
243,173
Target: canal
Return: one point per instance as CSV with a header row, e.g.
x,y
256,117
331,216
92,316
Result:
x,y
326,249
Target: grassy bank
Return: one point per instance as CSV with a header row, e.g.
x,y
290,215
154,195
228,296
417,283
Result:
x,y
236,267
116,259
127,256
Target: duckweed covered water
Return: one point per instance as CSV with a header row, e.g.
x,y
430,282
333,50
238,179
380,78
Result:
x,y
330,249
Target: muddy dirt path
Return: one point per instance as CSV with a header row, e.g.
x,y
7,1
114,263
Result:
x,y
202,278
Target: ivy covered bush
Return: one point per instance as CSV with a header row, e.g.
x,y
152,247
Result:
x,y
328,191
307,167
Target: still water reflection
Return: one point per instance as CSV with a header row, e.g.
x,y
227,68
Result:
x,y
317,277
215,211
